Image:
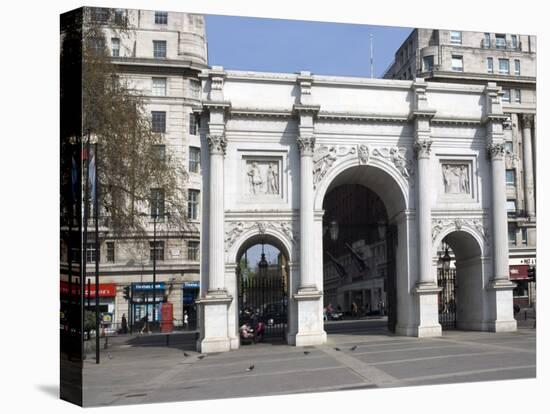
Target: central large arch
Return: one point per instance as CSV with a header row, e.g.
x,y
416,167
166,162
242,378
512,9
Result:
x,y
393,189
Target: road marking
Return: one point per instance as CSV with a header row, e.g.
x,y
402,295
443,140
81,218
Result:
x,y
365,371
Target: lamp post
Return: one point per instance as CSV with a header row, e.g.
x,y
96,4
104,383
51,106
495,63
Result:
x,y
446,260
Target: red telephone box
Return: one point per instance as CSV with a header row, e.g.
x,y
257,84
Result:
x,y
167,317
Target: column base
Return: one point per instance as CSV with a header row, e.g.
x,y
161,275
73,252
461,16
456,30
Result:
x,y
310,338
428,312
214,322
419,331
501,306
310,317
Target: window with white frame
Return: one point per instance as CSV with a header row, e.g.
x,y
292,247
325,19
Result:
x,y
514,40
517,67
161,17
456,37
511,207
157,202
156,250
195,88
193,204
159,48
193,250
510,177
524,236
159,87
500,41
115,47
91,253
517,95
506,95
509,146
193,128
490,65
428,62
511,235
194,159
504,66
456,63
487,40
159,152
111,252
158,121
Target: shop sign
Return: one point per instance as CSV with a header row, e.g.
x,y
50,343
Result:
x,y
147,286
532,261
519,272
191,285
107,317
106,290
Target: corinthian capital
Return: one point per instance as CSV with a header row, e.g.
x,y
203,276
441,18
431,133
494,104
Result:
x,y
217,144
422,148
306,145
496,151
527,120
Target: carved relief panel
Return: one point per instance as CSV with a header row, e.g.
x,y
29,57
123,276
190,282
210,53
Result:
x,y
262,177
457,179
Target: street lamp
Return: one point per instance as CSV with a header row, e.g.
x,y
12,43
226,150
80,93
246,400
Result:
x,y
446,260
262,264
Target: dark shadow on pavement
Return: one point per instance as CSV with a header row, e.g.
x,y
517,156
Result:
x,y
49,389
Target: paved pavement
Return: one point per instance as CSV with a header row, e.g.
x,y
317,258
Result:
x,y
145,370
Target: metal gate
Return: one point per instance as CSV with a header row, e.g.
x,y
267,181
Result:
x,y
263,298
391,288
446,280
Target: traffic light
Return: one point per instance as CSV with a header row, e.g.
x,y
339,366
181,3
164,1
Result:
x,y
532,273
127,292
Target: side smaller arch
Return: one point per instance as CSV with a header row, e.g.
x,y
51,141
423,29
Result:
x,y
443,231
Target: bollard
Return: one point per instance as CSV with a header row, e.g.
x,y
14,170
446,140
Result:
x,y
106,345
167,340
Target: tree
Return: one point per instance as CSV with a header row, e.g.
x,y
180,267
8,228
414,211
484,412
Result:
x,y
135,168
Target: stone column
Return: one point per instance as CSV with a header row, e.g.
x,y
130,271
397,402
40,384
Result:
x,y
528,175
306,144
496,153
217,145
500,317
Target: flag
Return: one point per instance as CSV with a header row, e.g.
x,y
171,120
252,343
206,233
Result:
x,y
92,176
74,177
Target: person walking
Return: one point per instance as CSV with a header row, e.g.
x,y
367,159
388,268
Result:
x,y
124,324
185,320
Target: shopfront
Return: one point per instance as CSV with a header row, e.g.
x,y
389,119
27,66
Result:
x,y
143,297
190,292
519,274
107,293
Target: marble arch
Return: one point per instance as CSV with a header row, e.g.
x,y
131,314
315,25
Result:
x,y
273,144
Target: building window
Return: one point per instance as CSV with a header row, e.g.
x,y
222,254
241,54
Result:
x,y
428,63
456,63
489,65
517,95
192,124
487,40
193,250
157,202
159,152
506,95
115,47
517,67
91,253
193,204
156,250
119,16
195,87
514,41
511,208
111,252
500,41
524,236
456,37
194,159
510,177
159,48
504,66
100,15
509,146
161,17
159,87
97,45
158,123
511,235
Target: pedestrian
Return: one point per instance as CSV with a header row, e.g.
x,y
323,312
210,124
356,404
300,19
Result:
x,y
354,309
145,321
185,320
124,324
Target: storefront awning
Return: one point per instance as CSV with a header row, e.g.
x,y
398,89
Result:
x,y
519,272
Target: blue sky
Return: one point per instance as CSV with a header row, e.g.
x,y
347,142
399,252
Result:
x,y
275,45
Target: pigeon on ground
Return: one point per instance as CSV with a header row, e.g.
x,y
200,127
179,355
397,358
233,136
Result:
x,y
110,356
337,349
185,354
201,356
250,368
353,348
306,352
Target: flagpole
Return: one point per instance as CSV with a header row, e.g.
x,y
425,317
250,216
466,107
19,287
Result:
x,y
84,257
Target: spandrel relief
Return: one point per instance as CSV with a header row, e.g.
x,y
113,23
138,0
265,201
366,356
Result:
x,y
263,177
456,178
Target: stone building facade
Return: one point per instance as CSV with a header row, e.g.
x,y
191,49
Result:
x,y
160,56
275,144
509,60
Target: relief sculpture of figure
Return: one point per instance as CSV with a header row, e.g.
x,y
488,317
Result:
x,y
399,161
464,183
447,178
255,178
272,179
